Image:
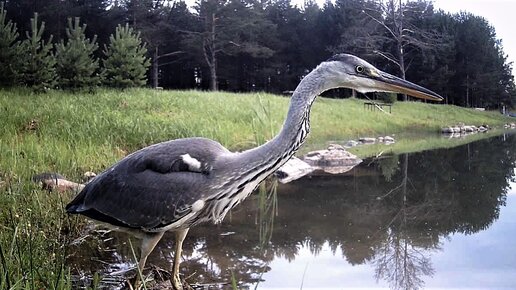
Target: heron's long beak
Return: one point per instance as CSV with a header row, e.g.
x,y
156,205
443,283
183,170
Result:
x,y
395,84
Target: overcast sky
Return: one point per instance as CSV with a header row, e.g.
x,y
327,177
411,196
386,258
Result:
x,y
499,13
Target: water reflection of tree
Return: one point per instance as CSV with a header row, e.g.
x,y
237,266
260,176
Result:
x,y
401,260
401,263
437,193
442,192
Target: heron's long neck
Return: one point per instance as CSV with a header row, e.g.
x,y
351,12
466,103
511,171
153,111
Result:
x,y
295,129
242,172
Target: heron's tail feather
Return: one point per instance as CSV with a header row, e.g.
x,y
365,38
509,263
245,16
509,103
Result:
x,y
77,204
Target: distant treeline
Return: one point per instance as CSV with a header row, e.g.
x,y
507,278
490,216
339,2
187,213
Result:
x,y
269,45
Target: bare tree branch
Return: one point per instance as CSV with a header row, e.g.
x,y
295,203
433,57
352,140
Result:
x,y
380,22
388,57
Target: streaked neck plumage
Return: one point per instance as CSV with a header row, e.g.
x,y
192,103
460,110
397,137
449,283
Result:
x,y
241,173
277,151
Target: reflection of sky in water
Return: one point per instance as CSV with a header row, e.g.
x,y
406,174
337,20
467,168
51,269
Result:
x,y
322,270
403,237
484,260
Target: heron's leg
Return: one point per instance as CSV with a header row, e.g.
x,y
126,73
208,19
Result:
x,y
149,241
176,281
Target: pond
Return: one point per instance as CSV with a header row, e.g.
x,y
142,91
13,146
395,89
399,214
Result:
x,y
436,219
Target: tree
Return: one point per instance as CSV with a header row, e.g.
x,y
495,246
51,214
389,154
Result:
x,y
353,33
211,44
178,72
9,49
126,63
229,28
398,36
38,68
100,20
299,45
482,76
435,68
52,12
252,44
76,66
269,45
155,22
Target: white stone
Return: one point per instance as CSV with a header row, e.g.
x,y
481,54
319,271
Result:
x,y
447,130
293,169
367,140
351,143
388,139
333,160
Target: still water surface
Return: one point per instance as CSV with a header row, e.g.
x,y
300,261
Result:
x,y
438,219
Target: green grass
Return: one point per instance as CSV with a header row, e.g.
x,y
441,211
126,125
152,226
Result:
x,y
347,118
74,133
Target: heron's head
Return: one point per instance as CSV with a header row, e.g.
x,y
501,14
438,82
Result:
x,y
349,71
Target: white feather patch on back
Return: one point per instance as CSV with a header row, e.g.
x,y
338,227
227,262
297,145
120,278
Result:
x,y
198,205
193,164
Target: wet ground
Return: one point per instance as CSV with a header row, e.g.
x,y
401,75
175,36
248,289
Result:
x,y
438,219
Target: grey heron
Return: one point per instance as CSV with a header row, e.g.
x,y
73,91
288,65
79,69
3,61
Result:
x,y
177,184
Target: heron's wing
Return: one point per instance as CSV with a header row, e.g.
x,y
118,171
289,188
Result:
x,y
152,187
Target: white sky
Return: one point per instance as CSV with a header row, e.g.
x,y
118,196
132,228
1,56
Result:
x,y
499,13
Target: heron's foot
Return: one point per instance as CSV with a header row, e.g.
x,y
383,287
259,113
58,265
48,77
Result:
x,y
133,283
176,282
168,284
136,282
161,274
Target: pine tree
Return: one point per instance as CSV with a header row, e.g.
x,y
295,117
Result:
x,y
38,69
76,66
9,50
125,64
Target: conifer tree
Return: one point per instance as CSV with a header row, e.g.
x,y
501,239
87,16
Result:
x,y
76,66
125,64
38,69
9,50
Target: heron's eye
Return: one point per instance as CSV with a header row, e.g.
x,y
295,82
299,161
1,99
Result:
x,y
359,69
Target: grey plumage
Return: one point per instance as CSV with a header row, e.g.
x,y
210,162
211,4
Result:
x,y
146,190
176,184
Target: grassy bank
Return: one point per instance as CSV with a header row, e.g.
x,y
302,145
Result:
x,y
71,134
